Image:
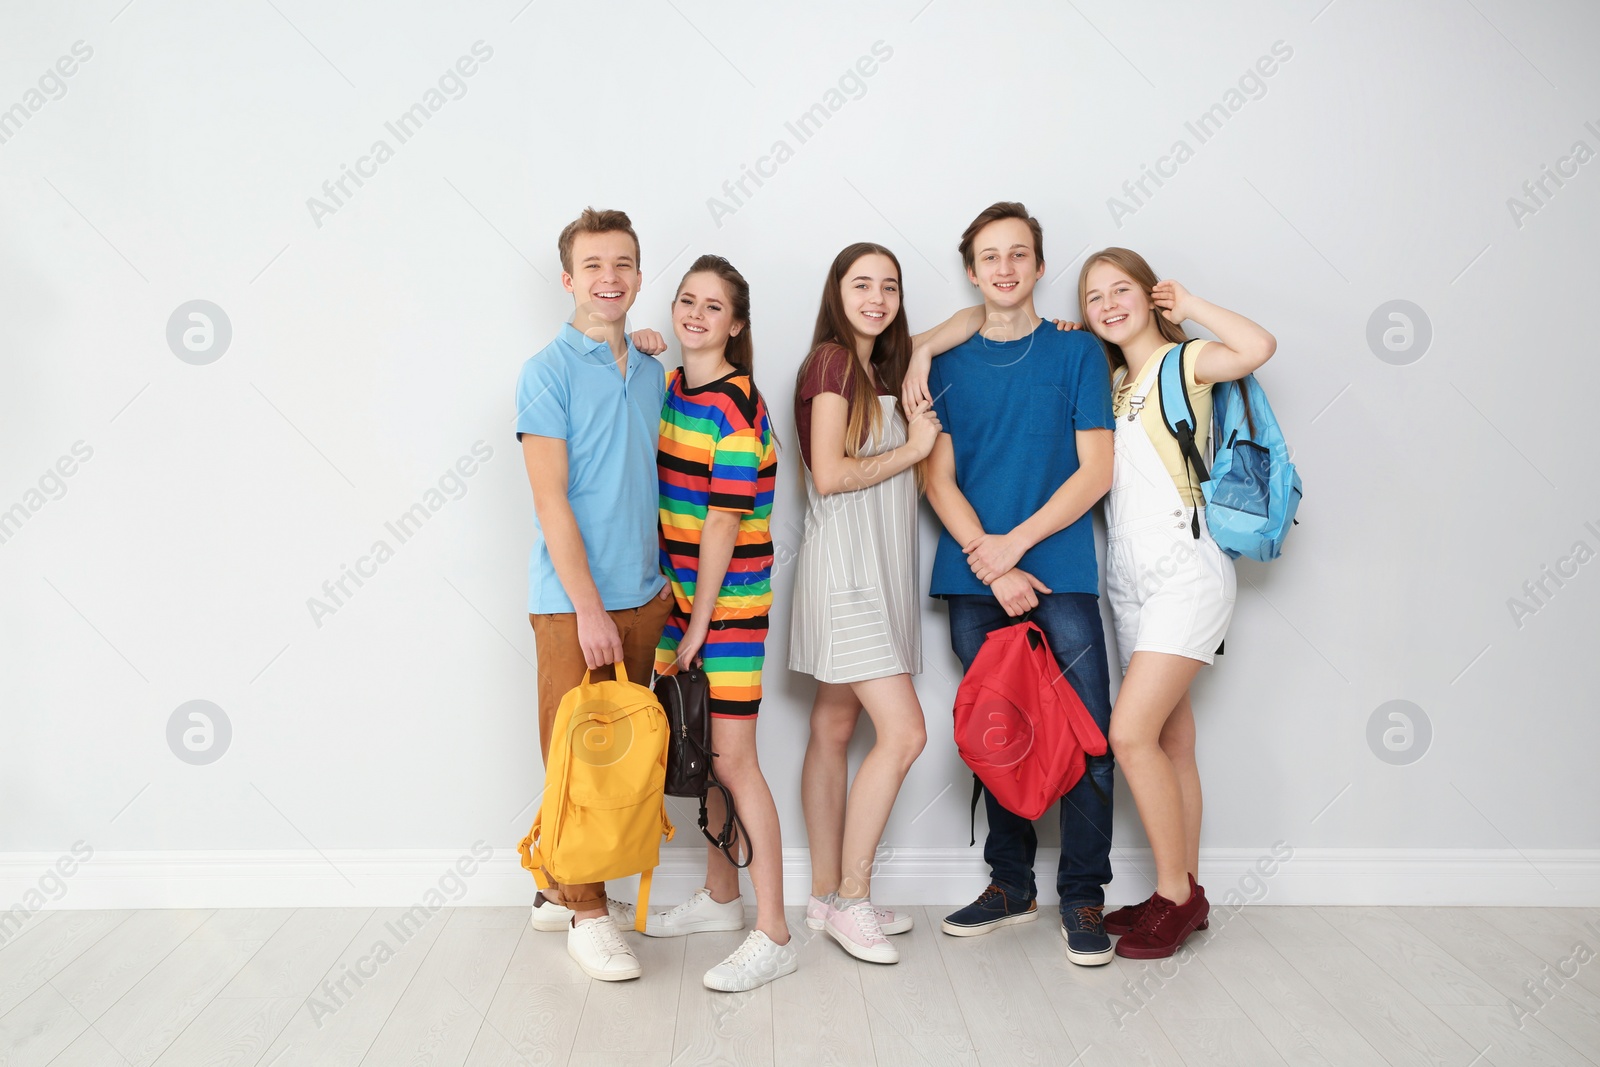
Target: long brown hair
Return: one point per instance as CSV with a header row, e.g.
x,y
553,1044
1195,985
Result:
x,y
1134,266
891,349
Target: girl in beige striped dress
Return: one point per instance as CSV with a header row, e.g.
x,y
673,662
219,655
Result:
x,y
856,624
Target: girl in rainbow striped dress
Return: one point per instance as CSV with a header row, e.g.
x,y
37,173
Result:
x,y
717,463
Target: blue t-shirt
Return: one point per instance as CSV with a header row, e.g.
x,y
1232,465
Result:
x,y
571,389
1012,409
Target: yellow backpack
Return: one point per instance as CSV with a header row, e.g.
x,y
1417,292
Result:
x,y
604,809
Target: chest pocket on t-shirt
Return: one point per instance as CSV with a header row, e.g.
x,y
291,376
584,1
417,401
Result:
x,y
1047,409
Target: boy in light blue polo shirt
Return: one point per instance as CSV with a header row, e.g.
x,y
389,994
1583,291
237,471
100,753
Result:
x,y
588,415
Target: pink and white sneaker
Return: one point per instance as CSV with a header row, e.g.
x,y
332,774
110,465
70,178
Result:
x,y
857,931
889,920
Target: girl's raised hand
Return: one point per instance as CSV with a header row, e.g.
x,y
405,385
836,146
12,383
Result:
x,y
649,342
914,387
1066,324
922,428
1173,300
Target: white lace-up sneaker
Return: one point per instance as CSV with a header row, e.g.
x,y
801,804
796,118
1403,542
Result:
x,y
754,963
889,920
696,915
597,947
548,917
856,929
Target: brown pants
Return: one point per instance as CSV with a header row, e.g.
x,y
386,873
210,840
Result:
x,y
561,668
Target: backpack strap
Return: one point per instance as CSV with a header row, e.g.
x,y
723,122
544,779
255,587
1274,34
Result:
x,y
1177,410
972,828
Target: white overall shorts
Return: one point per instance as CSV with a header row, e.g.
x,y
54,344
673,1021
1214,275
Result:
x,y
1169,590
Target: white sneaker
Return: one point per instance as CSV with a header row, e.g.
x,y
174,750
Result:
x,y
597,947
856,929
621,912
696,915
754,963
548,917
889,920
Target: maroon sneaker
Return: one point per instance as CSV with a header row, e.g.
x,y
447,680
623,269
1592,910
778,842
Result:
x,y
1164,926
1122,920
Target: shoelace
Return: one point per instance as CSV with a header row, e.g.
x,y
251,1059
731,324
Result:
x,y
686,905
1156,909
989,894
744,952
607,936
1088,916
866,917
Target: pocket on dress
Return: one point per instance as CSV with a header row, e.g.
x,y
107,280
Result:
x,y
859,640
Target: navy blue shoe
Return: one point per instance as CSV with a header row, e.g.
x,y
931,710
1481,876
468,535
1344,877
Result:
x,y
1085,934
992,910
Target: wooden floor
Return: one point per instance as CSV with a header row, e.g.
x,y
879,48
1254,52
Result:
x,y
1327,986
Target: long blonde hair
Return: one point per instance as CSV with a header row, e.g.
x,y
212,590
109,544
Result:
x,y
1134,266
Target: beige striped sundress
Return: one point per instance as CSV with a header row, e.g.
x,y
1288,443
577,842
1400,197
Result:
x,y
856,613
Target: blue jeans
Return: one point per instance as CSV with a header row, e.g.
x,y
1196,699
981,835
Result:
x,y
1071,623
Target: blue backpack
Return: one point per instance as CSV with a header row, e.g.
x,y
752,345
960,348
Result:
x,y
1252,489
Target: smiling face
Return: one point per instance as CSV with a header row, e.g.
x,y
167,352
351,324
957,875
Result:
x,y
604,281
1115,307
870,293
702,314
1005,265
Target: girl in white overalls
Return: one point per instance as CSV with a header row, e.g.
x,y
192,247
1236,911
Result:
x,y
1171,588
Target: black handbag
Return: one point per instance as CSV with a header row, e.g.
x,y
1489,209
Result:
x,y
686,698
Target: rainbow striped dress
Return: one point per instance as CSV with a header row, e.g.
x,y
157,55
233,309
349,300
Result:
x,y
717,452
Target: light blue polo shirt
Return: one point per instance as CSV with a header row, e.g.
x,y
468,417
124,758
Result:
x,y
570,389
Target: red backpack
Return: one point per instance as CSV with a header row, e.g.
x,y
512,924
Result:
x,y
1020,725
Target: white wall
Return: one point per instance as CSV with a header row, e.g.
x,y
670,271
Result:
x,y
372,347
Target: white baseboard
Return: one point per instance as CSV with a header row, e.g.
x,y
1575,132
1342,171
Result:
x,y
394,878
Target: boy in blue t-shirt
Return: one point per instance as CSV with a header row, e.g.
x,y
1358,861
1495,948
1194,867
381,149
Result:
x,y
1025,453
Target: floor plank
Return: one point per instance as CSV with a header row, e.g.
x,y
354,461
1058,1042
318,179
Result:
x,y
29,961
719,1029
1428,972
114,964
529,1024
299,952
438,1017
636,1016
1391,1020
35,1031
912,1007
819,1016
540,958
1553,934
1220,1042
340,1019
89,1050
1308,987
1568,1010
242,924
1107,1024
231,1032
1508,1043
1300,1024
150,1016
1008,1014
